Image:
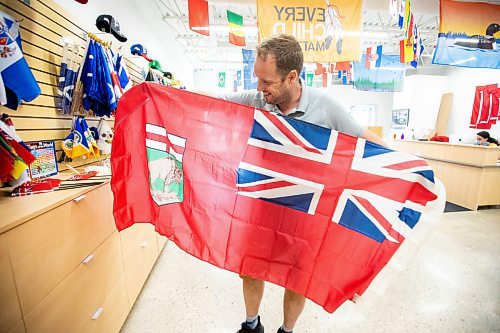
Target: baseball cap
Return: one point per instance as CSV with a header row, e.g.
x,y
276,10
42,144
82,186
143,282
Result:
x,y
155,64
138,49
107,23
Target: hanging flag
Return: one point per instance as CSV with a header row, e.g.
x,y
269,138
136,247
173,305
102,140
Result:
x,y
309,79
373,58
418,47
250,80
401,13
198,16
406,50
17,82
343,65
222,80
68,75
407,17
469,35
485,111
389,76
236,33
328,31
238,77
121,71
394,9
319,212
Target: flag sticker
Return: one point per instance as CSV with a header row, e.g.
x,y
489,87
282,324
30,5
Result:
x,y
164,153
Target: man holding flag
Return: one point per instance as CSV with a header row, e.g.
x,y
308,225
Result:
x,y
265,194
277,66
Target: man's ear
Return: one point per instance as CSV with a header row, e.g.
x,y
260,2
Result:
x,y
292,76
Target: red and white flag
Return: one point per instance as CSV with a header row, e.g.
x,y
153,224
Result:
x,y
308,208
198,16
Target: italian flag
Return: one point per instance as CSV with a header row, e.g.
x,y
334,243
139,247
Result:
x,y
236,34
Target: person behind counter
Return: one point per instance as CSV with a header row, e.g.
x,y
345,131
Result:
x,y
483,138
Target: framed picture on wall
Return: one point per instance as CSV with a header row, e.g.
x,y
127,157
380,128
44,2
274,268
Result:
x,y
400,118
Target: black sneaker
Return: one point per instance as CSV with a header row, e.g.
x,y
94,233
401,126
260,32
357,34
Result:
x,y
245,329
280,330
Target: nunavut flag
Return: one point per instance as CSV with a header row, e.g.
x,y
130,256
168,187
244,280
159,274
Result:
x,y
308,208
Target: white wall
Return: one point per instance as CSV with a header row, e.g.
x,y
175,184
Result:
x,y
462,82
206,80
141,22
422,95
347,96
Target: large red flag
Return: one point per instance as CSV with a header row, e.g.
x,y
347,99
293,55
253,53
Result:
x,y
259,194
198,16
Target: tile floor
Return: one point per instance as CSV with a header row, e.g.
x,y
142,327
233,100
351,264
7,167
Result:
x,y
452,285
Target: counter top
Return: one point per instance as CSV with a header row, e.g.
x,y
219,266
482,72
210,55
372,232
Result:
x,y
17,210
449,144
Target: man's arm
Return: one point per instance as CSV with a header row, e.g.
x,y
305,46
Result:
x,y
370,136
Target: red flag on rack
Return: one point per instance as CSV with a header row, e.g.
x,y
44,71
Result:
x,y
198,16
485,109
259,194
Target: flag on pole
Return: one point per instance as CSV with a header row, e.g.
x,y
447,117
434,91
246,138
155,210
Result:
x,y
308,208
198,16
236,33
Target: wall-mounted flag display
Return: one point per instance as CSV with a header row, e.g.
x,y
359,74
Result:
x,y
327,30
469,34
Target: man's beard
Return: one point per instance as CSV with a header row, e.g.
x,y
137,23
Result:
x,y
284,96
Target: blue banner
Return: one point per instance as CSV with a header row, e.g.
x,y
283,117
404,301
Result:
x,y
249,78
388,77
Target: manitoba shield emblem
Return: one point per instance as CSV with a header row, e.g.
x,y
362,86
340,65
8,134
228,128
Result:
x,y
164,154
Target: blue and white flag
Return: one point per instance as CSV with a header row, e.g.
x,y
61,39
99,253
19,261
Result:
x,y
121,71
67,79
249,78
17,82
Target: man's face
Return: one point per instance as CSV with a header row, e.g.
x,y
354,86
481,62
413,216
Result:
x,y
276,89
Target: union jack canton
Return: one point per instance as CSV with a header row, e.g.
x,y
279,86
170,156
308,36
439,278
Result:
x,y
358,184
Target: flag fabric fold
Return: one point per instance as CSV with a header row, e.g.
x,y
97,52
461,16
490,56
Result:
x,y
236,32
198,16
302,206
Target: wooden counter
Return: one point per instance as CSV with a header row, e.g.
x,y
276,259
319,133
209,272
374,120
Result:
x,y
470,174
63,246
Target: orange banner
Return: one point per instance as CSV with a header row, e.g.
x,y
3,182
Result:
x,y
328,31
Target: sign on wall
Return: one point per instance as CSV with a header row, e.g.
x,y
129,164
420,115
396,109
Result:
x,y
327,30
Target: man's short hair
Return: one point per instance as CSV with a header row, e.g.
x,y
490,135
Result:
x,y
286,50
